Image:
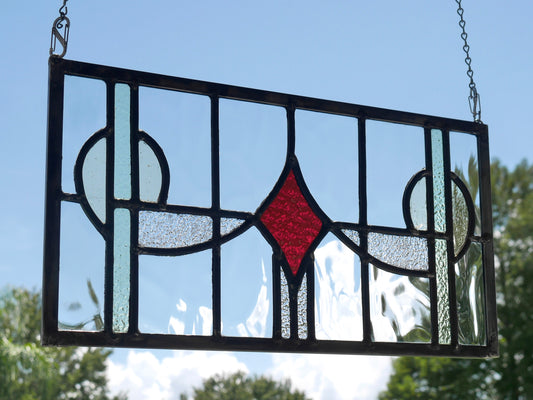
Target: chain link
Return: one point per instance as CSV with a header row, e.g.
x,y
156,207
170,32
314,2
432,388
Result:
x,y
474,99
60,30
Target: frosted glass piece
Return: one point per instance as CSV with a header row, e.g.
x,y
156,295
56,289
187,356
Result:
x,y
332,139
399,307
471,297
122,142
438,180
121,270
253,146
181,124
165,230
228,225
389,169
94,178
338,309
150,176
285,307
405,252
81,272
418,205
84,114
443,303
302,309
352,235
175,294
246,286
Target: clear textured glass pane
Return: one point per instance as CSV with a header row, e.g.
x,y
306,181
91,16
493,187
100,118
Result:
x,y
285,307
181,125
175,294
405,252
471,297
150,177
121,269
399,307
460,219
81,272
84,114
228,225
353,235
159,229
464,162
122,142
94,178
333,181
418,205
338,310
443,303
253,142
302,309
246,286
438,181
389,169
441,254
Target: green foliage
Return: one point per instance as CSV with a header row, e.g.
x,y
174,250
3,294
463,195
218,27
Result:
x,y
511,375
29,371
238,386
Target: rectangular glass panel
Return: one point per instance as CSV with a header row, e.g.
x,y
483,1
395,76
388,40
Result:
x,y
122,142
464,162
471,297
181,124
443,302
246,286
338,309
399,307
326,146
302,309
181,287
81,272
253,143
441,254
121,270
84,114
389,169
285,307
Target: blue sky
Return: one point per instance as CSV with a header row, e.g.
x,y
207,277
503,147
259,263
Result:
x,y
399,55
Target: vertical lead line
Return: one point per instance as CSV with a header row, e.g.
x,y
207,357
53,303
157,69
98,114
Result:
x,y
135,196
452,294
363,221
431,240
54,149
215,204
109,207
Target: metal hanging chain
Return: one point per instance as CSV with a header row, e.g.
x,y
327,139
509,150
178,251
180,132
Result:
x,y
474,99
60,30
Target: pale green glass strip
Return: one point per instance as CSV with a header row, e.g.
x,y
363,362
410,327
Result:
x,y
441,256
121,270
122,142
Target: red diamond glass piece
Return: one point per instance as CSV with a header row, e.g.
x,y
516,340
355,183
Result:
x,y
292,222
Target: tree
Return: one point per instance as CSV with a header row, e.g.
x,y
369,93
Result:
x,y
511,375
238,386
29,371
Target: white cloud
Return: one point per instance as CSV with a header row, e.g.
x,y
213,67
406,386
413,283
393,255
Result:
x,y
144,376
342,377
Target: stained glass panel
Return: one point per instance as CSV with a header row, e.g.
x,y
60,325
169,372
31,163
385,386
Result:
x,y
196,215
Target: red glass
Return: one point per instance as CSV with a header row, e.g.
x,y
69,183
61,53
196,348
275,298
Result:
x,y
292,222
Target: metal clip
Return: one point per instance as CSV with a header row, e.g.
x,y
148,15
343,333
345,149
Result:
x,y
474,101
60,31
